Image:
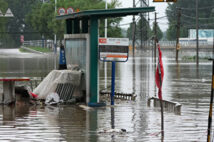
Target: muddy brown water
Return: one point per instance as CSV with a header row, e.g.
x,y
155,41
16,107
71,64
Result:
x,y
184,83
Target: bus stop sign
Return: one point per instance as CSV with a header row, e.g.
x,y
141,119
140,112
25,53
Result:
x,y
113,49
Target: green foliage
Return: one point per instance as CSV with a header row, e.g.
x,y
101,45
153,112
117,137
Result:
x,y
188,14
142,27
159,32
171,33
113,29
11,28
3,21
42,18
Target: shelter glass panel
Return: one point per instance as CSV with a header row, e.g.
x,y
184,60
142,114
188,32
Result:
x,y
76,52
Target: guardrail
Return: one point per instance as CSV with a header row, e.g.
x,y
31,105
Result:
x,y
40,43
168,105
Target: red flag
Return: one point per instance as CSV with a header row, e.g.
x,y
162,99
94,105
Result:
x,y
159,73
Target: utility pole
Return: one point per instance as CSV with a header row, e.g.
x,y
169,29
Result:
x,y
213,43
55,42
155,36
133,31
148,44
197,60
141,26
178,34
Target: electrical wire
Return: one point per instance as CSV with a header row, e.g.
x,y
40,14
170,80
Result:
x,y
191,9
187,16
159,18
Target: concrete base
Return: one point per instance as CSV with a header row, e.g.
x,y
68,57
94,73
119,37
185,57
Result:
x,y
9,92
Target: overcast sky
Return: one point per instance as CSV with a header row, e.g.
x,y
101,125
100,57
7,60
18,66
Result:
x,y
159,7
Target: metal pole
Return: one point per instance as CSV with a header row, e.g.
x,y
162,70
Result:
x,y
213,43
105,63
211,106
55,44
178,34
155,38
106,7
141,26
133,31
112,118
161,102
197,60
112,82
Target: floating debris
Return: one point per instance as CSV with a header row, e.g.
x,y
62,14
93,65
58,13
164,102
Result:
x,y
118,95
52,99
121,131
168,105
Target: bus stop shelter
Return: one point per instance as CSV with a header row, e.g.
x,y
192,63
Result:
x,y
84,24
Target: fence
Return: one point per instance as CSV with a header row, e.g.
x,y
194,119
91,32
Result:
x,y
172,44
41,43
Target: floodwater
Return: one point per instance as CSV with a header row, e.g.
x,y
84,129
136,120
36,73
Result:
x,y
184,83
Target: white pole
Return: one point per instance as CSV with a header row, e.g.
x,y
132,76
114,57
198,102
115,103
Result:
x,y
55,44
105,63
106,22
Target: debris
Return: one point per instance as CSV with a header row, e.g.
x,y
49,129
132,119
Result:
x,y
85,107
33,95
52,99
121,131
60,81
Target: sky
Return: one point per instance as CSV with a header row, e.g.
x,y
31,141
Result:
x,y
159,7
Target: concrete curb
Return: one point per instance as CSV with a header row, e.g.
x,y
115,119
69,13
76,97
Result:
x,y
33,51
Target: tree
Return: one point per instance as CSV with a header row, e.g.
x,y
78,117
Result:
x,y
12,28
188,15
42,18
159,32
113,29
146,30
3,21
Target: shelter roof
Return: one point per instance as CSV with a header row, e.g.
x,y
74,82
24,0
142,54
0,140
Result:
x,y
106,13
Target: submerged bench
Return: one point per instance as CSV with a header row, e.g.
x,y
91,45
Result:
x,y
8,95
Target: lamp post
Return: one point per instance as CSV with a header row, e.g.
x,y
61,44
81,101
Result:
x,y
105,63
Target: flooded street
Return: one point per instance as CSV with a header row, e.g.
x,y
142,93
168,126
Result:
x,y
183,82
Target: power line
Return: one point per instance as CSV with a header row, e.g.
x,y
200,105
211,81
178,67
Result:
x,y
195,17
159,17
191,9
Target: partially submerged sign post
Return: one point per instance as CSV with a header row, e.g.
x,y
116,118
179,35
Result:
x,y
113,50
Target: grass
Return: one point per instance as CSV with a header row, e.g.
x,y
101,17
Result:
x,y
36,48
40,49
22,50
193,58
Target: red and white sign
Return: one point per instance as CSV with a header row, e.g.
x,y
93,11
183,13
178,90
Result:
x,y
114,41
69,10
102,40
61,11
22,39
113,49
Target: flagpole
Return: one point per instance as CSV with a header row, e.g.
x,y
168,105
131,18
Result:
x,y
160,96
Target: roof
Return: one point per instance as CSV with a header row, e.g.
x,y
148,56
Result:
x,y
105,13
